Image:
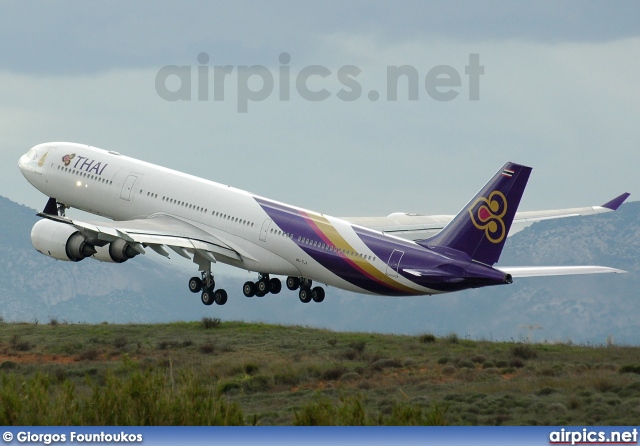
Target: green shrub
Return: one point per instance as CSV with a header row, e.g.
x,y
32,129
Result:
x,y
258,383
358,346
630,368
334,373
427,338
287,378
208,322
466,364
88,355
349,412
120,342
386,363
8,365
453,338
524,352
448,370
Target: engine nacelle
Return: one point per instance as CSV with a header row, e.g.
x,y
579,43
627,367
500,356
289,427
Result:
x,y
117,251
60,241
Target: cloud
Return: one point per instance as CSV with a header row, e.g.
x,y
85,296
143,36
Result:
x,y
567,109
74,37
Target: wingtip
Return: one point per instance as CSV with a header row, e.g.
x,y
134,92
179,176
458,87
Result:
x,y
616,202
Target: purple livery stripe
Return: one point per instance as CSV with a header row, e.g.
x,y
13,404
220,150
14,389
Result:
x,y
324,244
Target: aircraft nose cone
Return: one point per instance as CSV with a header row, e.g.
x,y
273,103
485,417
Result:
x,y
24,162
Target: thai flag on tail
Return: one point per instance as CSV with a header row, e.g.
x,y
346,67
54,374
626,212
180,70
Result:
x,y
507,173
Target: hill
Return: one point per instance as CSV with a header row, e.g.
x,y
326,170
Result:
x,y
582,309
237,373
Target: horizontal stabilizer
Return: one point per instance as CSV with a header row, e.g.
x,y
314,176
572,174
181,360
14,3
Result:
x,y
539,271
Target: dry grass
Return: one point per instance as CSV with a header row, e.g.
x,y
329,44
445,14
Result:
x,y
286,375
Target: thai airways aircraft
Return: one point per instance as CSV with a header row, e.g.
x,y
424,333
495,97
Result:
x,y
152,207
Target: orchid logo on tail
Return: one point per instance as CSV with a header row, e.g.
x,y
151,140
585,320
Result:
x,y
486,214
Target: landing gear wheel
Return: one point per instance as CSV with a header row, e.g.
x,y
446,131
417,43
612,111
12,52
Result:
x,y
249,289
195,284
276,285
317,294
305,295
263,286
293,283
207,296
220,297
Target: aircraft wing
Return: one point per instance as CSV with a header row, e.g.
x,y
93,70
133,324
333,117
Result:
x,y
419,227
158,232
538,271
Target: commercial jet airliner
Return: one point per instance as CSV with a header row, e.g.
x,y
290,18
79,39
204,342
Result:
x,y
152,207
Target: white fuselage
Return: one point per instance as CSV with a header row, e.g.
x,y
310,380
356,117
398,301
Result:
x,y
123,188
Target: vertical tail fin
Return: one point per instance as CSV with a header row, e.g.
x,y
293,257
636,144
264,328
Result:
x,y
481,228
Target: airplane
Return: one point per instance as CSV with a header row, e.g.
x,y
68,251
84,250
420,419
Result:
x,y
156,208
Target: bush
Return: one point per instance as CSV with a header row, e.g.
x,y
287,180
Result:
x,y
208,348
287,378
8,365
120,342
18,345
427,338
208,322
385,363
448,370
466,364
524,352
453,338
443,360
258,383
349,412
89,355
250,368
630,368
358,346
334,373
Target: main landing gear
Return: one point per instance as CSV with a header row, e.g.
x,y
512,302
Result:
x,y
306,293
262,287
207,286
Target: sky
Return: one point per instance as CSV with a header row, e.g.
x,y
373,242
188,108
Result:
x,y
556,90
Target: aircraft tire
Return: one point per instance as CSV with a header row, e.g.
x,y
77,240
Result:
x,y
220,297
317,294
276,285
207,297
263,286
195,284
305,295
249,289
293,283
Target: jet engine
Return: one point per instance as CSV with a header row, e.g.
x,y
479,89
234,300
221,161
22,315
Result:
x,y
60,241
117,251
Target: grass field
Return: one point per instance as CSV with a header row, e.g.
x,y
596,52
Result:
x,y
236,373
